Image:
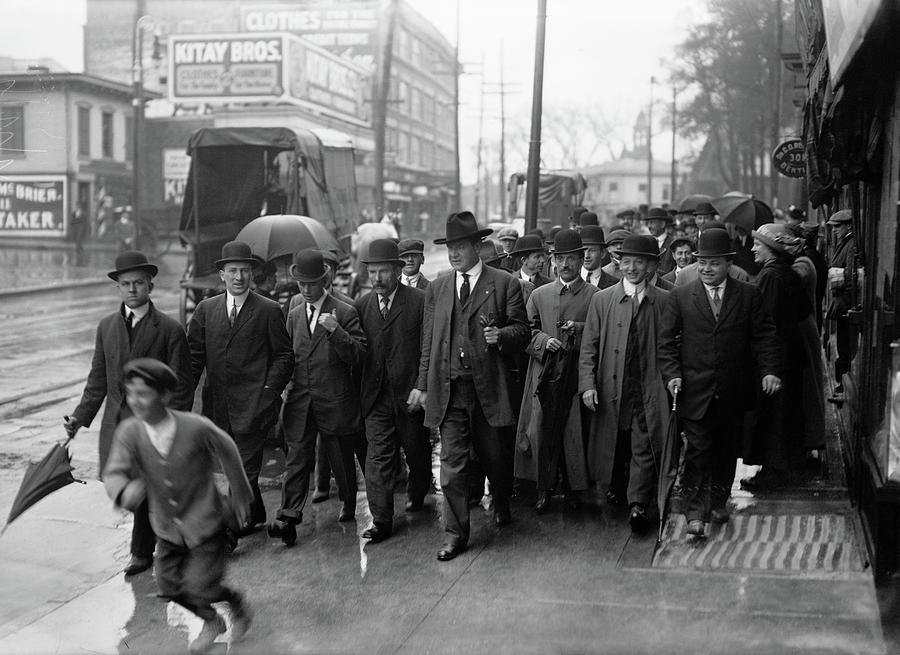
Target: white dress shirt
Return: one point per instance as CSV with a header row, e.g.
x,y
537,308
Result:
x,y
390,299
591,277
138,312
631,289
317,311
162,434
474,273
235,301
410,281
710,291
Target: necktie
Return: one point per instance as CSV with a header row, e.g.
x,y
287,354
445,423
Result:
x,y
129,323
717,301
384,306
635,303
232,314
310,312
464,289
564,290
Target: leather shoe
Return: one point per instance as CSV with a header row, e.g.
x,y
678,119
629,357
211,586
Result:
x,y
284,530
720,515
766,479
376,533
207,637
241,617
450,551
615,499
695,527
348,512
415,505
320,496
138,565
543,502
638,519
502,516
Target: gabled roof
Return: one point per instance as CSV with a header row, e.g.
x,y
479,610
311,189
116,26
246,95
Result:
x,y
626,166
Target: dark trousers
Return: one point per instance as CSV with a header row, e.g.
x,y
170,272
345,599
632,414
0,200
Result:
x,y
710,460
463,426
250,445
642,471
390,427
192,577
301,460
143,540
323,468
845,346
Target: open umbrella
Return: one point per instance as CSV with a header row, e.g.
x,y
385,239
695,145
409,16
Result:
x,y
690,203
41,479
745,212
277,235
668,468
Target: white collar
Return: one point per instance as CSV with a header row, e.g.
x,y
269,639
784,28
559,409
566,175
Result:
x,y
721,287
139,312
631,289
237,300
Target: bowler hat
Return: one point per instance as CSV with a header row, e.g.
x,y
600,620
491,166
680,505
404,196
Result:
x,y
592,235
617,236
308,266
577,212
713,225
589,218
778,238
462,226
641,245
705,209
658,213
408,246
496,250
235,252
526,244
331,258
566,242
383,251
508,234
839,217
132,260
153,372
714,243
625,213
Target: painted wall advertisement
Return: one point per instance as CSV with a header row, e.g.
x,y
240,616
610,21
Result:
x,y
176,163
33,205
264,68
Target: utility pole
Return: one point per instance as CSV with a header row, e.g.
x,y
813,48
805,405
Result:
x,y
382,87
650,146
673,181
533,176
457,185
480,142
502,137
776,99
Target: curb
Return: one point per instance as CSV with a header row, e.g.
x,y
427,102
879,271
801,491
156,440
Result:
x,y
41,288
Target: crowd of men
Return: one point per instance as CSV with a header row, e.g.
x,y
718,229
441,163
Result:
x,y
558,372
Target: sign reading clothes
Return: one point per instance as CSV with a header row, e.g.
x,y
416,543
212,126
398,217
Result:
x,y
33,205
260,67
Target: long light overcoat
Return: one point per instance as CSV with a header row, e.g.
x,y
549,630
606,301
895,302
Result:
x,y
602,367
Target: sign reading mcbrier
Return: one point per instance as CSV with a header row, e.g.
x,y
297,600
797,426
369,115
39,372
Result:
x,y
33,205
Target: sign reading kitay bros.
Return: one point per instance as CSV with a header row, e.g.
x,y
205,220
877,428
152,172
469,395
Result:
x,y
33,205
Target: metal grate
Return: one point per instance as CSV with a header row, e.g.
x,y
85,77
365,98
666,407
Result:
x,y
764,542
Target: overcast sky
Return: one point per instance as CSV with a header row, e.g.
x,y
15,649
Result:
x,y
600,53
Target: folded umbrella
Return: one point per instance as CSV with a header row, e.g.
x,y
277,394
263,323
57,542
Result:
x,y
745,212
668,468
278,235
41,479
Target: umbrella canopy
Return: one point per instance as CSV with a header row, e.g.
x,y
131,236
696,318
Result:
x,y
668,466
41,479
690,203
278,235
745,212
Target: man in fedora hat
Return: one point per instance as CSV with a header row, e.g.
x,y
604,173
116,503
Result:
x,y
715,333
474,318
594,251
391,316
323,398
136,329
620,383
691,273
704,213
613,244
239,339
412,253
840,287
550,444
532,256
658,222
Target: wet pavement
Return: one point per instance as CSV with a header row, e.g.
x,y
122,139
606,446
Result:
x,y
563,582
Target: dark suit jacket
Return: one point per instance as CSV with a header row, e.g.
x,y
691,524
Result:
x,y
540,279
323,382
669,277
244,365
297,299
156,335
498,295
663,283
606,280
394,344
423,282
722,359
666,258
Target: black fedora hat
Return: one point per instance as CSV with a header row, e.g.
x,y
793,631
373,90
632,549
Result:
x,y
526,244
383,251
592,235
566,242
705,209
625,213
132,260
714,243
462,226
658,213
157,374
235,252
641,245
408,246
589,218
308,266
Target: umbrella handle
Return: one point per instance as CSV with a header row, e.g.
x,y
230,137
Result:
x,y
675,400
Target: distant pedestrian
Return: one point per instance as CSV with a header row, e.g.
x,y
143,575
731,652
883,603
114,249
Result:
x,y
136,329
658,222
168,458
595,251
683,253
840,288
79,227
613,243
412,252
532,256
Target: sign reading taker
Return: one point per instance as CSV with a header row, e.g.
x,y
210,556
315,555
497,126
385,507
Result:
x,y
789,158
33,206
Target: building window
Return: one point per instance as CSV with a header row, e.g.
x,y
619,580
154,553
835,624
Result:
x,y
665,193
12,130
107,134
84,131
403,97
415,103
402,141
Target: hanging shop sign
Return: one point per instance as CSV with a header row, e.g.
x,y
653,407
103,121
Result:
x,y
789,158
33,205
